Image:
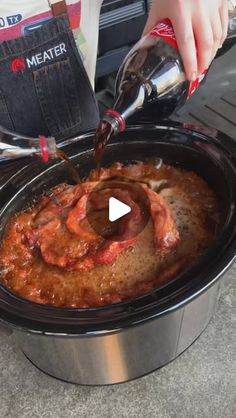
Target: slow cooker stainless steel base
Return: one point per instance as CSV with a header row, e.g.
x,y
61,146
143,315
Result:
x,y
119,342
123,355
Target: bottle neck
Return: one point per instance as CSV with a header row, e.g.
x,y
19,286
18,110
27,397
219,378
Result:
x,y
115,119
129,101
13,146
47,148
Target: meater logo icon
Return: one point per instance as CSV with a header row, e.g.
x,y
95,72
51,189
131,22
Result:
x,y
18,64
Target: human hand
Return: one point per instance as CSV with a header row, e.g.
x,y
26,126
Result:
x,y
200,28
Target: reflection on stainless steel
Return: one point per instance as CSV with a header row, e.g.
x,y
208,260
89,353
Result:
x,y
124,355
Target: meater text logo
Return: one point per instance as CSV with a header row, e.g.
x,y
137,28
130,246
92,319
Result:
x,y
19,64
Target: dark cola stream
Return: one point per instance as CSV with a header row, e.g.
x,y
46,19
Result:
x,y
74,172
103,134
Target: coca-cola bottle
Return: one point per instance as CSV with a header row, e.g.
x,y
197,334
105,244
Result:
x,y
13,145
152,74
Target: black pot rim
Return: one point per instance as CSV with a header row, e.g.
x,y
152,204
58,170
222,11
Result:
x,y
42,319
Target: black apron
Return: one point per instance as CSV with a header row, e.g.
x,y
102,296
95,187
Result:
x,y
44,88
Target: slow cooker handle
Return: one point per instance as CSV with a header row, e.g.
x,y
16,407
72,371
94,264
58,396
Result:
x,y
223,140
231,145
205,130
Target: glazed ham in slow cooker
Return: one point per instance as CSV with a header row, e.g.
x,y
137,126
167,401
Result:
x,y
52,255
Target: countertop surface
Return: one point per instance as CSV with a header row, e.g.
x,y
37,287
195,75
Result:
x,y
200,383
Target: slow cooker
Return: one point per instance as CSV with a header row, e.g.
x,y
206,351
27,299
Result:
x,y
123,341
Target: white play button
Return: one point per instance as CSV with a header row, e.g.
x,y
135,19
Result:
x,y
113,205
117,209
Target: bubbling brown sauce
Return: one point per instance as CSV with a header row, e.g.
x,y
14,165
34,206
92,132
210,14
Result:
x,y
45,256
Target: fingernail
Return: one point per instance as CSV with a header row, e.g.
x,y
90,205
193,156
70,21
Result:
x,y
193,76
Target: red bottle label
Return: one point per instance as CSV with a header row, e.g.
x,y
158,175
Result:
x,y
164,30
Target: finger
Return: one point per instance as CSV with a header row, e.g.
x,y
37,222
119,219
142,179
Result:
x,y
204,41
186,45
217,34
153,18
224,16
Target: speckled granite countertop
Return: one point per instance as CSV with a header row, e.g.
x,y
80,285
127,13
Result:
x,y
200,383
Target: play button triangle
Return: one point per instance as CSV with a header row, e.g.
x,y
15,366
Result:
x,y
117,209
